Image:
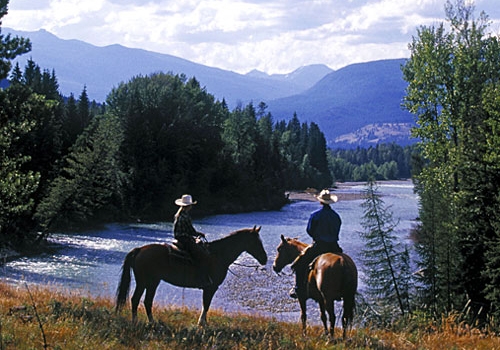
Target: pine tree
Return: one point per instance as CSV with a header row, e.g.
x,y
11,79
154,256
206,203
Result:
x,y
90,180
10,47
387,267
16,183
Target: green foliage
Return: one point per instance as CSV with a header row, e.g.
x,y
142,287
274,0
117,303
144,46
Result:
x,y
10,47
436,245
16,183
178,139
380,162
452,77
91,178
491,101
172,140
387,267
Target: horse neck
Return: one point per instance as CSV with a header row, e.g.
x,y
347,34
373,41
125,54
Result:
x,y
299,246
228,248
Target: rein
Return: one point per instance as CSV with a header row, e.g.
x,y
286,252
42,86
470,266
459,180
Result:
x,y
252,266
256,267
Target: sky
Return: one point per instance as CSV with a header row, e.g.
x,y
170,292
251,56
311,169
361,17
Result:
x,y
272,36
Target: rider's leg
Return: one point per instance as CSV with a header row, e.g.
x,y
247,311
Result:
x,y
301,268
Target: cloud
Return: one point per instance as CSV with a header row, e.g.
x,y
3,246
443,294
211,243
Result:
x,y
276,36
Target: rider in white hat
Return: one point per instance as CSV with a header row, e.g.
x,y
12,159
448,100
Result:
x,y
186,235
323,227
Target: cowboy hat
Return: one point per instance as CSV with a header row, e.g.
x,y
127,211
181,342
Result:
x,y
326,197
185,200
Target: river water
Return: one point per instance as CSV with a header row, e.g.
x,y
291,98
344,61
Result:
x,y
90,262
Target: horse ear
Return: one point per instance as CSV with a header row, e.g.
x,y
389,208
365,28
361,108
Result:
x,y
283,239
258,228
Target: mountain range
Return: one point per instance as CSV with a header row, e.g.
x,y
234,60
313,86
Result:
x,y
358,105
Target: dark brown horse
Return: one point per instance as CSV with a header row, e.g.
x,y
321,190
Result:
x,y
331,277
155,262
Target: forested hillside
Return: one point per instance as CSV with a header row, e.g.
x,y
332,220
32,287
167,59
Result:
x,y
380,162
343,102
69,162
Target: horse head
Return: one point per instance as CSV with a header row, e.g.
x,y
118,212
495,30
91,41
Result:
x,y
255,247
288,250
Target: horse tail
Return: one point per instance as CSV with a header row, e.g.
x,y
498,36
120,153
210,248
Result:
x,y
348,310
350,286
124,285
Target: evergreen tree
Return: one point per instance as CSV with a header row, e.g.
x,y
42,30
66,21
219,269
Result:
x,y
172,141
17,74
16,184
90,180
10,47
449,74
491,102
387,267
317,153
82,109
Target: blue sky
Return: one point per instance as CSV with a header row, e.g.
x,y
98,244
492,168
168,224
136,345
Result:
x,y
273,36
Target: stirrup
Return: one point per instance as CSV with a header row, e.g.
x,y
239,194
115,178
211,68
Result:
x,y
293,293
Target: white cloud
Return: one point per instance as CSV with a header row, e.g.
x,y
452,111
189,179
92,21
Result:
x,y
276,36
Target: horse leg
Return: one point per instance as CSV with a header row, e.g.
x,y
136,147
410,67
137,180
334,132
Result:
x,y
303,315
323,315
347,314
330,305
208,294
148,300
136,298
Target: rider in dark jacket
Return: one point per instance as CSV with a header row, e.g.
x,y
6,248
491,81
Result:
x,y
323,227
186,235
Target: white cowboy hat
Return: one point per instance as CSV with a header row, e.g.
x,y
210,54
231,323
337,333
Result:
x,y
185,200
326,197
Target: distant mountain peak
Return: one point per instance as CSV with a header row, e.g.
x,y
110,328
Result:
x,y
341,102
255,73
78,64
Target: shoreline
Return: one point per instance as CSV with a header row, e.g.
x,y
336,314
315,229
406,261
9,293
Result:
x,y
295,196
343,190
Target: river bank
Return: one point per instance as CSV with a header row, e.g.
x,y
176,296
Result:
x,y
68,320
345,191
91,260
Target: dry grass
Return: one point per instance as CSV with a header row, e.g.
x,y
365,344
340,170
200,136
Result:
x,y
73,321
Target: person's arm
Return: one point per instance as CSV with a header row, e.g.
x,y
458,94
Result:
x,y
311,227
184,226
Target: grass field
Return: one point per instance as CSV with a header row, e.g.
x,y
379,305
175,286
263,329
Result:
x,y
44,318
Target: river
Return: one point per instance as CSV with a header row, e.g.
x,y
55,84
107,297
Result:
x,y
89,262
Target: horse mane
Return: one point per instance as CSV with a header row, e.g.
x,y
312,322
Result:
x,y
297,242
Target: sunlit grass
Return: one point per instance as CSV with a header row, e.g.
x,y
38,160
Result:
x,y
71,320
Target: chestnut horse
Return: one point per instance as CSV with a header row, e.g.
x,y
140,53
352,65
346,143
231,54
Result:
x,y
155,262
331,277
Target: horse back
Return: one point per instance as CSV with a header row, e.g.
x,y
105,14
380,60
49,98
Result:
x,y
334,275
155,262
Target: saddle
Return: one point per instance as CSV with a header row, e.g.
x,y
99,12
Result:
x,y
177,250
